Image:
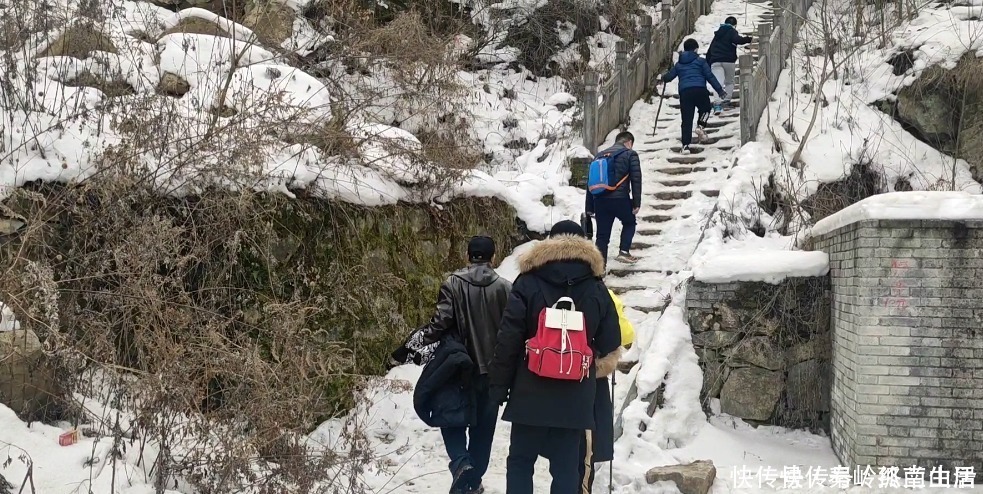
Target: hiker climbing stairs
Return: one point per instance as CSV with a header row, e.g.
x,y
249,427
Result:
x,y
679,190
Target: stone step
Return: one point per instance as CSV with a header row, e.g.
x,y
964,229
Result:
x,y
656,218
622,273
648,232
621,290
641,246
713,140
682,170
671,195
686,160
692,149
661,207
675,183
718,123
710,193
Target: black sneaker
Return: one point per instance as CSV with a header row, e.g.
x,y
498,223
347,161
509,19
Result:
x,y
477,490
456,487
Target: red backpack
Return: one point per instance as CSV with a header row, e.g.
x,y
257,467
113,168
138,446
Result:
x,y
560,350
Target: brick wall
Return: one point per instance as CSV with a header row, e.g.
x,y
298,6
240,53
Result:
x,y
907,342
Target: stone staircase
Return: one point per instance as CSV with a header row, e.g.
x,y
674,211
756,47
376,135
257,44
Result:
x,y
680,191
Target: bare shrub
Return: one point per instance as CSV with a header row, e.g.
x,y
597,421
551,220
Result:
x,y
537,36
223,366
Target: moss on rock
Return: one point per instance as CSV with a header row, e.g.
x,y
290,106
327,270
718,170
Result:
x,y
357,279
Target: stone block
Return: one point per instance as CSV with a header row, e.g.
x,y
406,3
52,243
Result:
x,y
809,386
752,393
694,478
715,339
758,351
28,386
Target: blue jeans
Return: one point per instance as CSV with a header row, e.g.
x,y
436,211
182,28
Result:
x,y
472,445
606,211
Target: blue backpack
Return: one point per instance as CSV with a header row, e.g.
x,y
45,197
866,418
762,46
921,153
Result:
x,y
599,174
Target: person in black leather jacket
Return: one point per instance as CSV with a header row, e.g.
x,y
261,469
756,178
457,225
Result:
x,y
469,309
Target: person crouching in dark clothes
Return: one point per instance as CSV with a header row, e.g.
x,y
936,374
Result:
x,y
549,415
453,389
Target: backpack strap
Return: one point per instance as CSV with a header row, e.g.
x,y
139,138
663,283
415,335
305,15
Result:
x,y
570,283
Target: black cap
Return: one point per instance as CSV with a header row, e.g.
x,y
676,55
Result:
x,y
567,227
731,20
481,248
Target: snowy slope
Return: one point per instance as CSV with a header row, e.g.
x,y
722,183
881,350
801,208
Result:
x,y
219,130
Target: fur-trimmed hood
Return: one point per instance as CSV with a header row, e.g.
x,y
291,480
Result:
x,y
563,248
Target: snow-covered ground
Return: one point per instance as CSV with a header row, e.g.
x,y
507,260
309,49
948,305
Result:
x,y
61,131
678,244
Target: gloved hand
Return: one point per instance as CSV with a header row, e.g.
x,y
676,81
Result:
x,y
722,95
400,356
498,394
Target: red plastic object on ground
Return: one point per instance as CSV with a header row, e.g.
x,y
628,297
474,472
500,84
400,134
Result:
x,y
69,438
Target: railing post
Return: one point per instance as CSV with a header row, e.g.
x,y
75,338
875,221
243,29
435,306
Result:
x,y
764,50
746,64
590,112
667,17
647,44
685,4
778,22
621,64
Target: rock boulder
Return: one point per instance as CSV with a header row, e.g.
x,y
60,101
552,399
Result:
x,y
809,386
752,393
694,478
758,351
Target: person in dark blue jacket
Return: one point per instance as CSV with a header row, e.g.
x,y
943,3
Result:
x,y
722,56
622,203
694,74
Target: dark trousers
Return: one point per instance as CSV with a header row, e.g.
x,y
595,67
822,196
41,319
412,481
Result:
x,y
606,211
472,445
559,446
587,465
691,99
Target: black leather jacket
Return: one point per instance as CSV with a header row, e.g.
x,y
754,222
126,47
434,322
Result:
x,y
470,303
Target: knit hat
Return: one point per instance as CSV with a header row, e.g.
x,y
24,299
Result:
x,y
567,227
481,249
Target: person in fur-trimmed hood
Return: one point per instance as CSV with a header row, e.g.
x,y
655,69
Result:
x,y
549,416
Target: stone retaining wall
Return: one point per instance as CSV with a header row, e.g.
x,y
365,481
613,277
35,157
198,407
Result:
x,y
764,349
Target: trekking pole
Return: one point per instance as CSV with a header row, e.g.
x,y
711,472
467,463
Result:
x,y
662,98
611,466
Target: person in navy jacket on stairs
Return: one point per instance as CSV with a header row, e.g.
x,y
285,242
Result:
x,y
722,57
694,74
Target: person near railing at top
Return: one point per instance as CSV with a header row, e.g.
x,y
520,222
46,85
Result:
x,y
694,75
722,57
